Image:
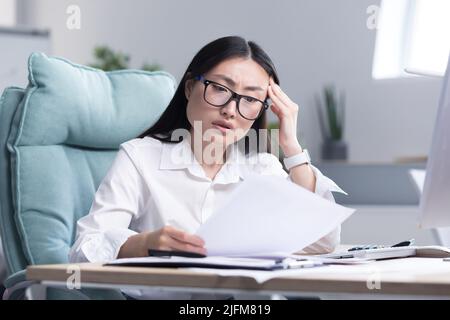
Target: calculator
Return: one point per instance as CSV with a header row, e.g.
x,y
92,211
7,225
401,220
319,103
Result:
x,y
378,253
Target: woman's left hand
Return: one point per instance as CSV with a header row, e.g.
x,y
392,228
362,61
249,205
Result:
x,y
287,111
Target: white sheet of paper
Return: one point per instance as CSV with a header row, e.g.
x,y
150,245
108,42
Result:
x,y
270,214
419,178
259,276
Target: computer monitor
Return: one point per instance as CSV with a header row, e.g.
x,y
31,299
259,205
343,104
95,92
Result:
x,y
435,200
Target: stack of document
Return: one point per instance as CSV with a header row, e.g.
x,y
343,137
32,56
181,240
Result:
x,y
217,263
264,221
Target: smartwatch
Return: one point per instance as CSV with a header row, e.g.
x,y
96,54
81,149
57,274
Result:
x,y
297,159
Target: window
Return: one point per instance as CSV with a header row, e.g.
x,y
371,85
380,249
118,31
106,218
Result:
x,y
429,46
7,13
412,35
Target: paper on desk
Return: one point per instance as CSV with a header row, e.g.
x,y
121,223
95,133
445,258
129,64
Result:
x,y
259,276
326,266
318,258
220,262
270,214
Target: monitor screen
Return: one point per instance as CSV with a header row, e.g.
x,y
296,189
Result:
x,y
435,200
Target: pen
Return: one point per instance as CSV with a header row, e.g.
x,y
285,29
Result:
x,y
170,253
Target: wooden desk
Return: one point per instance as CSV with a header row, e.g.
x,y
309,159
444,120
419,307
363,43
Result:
x,y
397,278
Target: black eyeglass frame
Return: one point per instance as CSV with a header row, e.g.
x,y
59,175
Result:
x,y
234,96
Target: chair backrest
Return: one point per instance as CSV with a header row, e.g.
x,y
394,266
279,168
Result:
x,y
13,253
61,134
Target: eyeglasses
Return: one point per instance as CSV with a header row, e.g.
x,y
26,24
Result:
x,y
219,95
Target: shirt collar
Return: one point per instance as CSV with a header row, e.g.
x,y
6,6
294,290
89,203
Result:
x,y
176,156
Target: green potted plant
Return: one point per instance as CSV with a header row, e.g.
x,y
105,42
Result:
x,y
331,118
273,125
108,60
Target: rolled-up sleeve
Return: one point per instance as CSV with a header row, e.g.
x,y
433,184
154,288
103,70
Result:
x,y
102,232
324,188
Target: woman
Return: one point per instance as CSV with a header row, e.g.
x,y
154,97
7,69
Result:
x,y
160,190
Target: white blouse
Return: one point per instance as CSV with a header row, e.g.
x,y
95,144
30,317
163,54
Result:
x,y
152,184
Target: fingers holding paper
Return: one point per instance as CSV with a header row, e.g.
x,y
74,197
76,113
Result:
x,y
170,238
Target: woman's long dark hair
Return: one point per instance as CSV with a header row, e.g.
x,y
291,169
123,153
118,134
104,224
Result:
x,y
174,117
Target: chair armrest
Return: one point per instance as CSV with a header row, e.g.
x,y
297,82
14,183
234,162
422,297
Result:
x,y
15,278
16,285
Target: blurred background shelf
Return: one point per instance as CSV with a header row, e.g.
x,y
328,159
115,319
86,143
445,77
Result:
x,y
373,183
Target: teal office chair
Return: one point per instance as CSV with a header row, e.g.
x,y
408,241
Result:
x,y
58,138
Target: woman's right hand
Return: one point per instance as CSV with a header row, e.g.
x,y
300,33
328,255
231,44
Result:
x,y
170,238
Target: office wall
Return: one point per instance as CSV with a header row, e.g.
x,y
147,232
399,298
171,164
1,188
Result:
x,y
19,43
7,13
312,42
